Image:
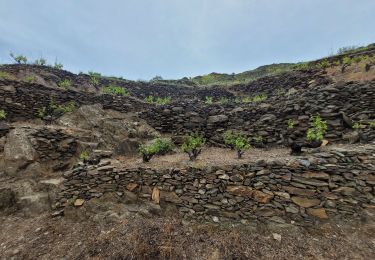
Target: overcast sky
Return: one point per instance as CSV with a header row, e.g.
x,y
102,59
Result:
x,y
138,39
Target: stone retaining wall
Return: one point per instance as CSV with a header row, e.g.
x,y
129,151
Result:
x,y
325,184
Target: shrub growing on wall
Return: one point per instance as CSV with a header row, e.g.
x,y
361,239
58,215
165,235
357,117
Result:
x,y
236,141
317,130
115,90
193,146
3,114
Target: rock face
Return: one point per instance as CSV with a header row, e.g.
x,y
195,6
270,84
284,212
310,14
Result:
x,y
18,151
260,190
7,198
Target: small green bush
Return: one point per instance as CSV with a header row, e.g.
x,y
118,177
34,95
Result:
x,y
149,99
41,112
5,75
94,80
94,74
30,79
259,98
223,100
41,61
163,100
318,129
246,100
193,146
58,65
3,114
157,146
372,124
20,59
357,125
84,156
258,139
66,108
323,64
66,84
236,141
290,124
209,100
115,90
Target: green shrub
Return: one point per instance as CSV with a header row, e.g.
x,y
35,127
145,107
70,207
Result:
x,y
209,100
5,75
236,141
290,124
246,100
115,90
19,58
94,80
258,139
357,125
357,59
323,64
259,98
66,84
3,114
41,61
65,108
149,99
193,146
94,74
372,124
347,61
41,112
84,156
58,65
163,100
223,100
157,146
30,79
318,129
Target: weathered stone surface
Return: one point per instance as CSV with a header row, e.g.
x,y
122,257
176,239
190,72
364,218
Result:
x,y
319,213
316,175
240,190
262,197
170,197
305,202
79,202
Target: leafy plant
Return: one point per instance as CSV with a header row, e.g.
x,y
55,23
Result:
x,y
19,58
5,75
193,146
84,156
372,124
209,100
149,99
3,114
323,64
236,141
94,74
115,90
246,100
163,100
290,124
259,98
66,83
41,61
30,78
157,146
58,65
94,80
357,125
67,108
318,129
223,100
41,112
346,62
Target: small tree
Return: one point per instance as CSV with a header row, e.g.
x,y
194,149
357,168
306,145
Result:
x,y
58,65
41,61
193,146
19,58
209,100
236,141
318,129
66,83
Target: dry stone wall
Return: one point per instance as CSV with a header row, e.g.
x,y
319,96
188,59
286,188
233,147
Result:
x,y
336,182
269,118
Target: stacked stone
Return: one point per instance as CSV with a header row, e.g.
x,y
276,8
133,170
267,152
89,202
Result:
x,y
337,182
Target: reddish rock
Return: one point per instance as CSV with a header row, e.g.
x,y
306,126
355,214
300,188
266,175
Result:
x,y
316,175
131,186
262,197
305,202
298,191
318,213
240,191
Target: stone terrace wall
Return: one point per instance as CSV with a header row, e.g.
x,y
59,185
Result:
x,y
22,100
332,183
269,119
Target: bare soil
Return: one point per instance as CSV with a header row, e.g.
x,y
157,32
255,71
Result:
x,y
44,237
